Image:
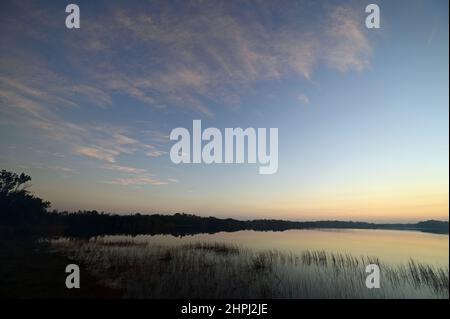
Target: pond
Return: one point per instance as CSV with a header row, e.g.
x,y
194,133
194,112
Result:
x,y
390,246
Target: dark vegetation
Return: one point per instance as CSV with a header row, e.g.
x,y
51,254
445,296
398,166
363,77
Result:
x,y
23,213
18,207
90,223
29,270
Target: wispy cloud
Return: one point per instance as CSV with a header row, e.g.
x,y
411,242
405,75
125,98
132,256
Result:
x,y
347,45
61,169
124,169
106,143
97,153
132,176
65,171
180,57
137,180
155,153
22,104
189,57
302,98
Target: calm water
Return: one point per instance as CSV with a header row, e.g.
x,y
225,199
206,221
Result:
x,y
390,246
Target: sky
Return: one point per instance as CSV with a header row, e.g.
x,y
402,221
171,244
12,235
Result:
x,y
362,114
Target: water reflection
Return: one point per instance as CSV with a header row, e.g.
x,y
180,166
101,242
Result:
x,y
390,246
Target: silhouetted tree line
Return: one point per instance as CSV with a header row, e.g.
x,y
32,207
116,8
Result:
x,y
90,223
21,212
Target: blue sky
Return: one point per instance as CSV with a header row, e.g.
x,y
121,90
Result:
x,y
362,113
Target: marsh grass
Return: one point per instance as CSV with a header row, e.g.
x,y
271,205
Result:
x,y
218,270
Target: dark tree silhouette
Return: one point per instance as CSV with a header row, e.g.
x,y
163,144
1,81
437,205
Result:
x,y
18,207
20,212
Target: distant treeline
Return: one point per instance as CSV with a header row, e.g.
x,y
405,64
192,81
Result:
x,y
23,213
90,223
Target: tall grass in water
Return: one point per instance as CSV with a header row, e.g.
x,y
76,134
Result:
x,y
217,270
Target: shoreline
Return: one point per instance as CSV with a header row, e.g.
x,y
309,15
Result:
x,y
30,271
